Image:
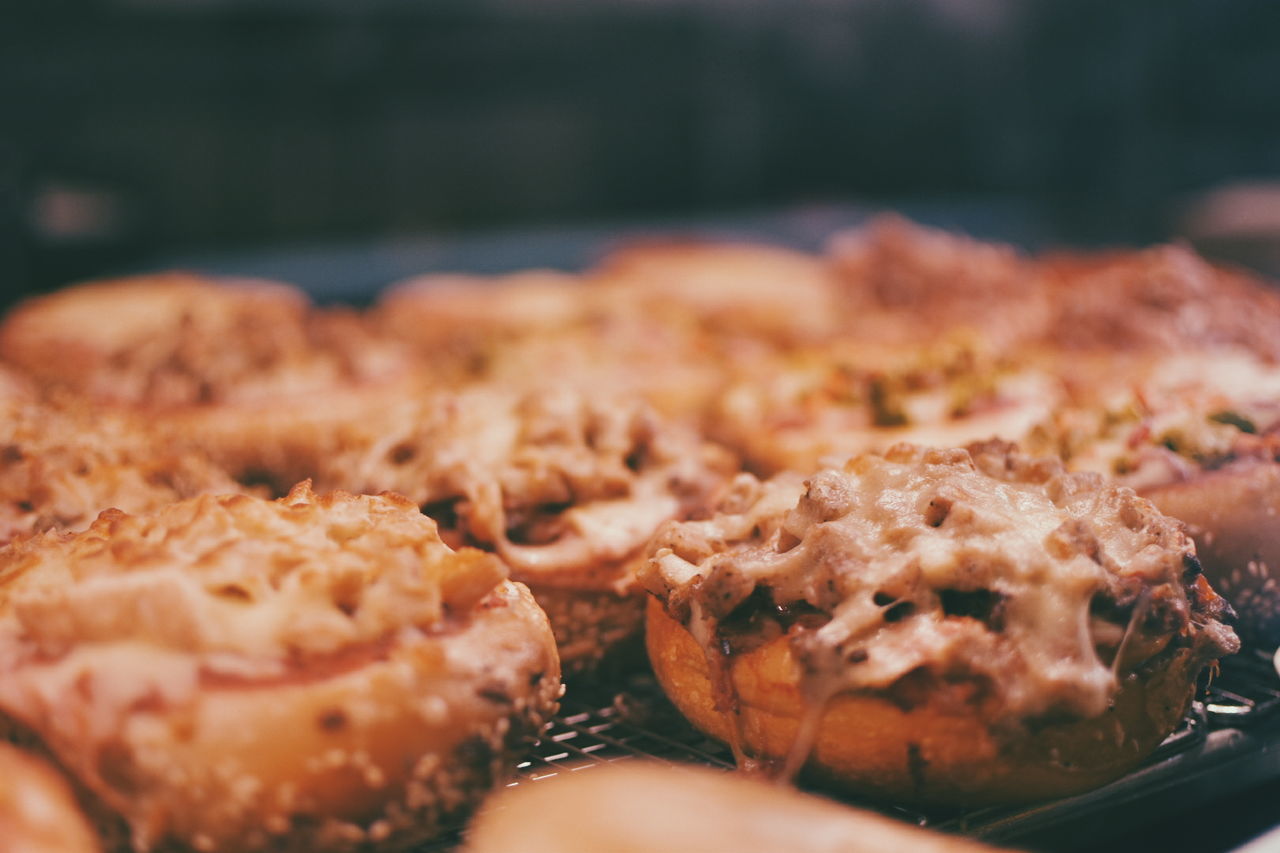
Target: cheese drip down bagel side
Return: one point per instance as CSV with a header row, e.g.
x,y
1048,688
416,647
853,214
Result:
x,y
314,673
960,626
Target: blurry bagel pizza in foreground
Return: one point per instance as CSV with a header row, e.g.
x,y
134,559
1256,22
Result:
x,y
319,672
938,626
613,808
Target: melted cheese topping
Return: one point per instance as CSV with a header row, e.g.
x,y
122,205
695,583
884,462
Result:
x,y
556,482
979,565
820,406
62,464
237,580
1186,415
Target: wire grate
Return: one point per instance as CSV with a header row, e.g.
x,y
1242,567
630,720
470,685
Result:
x,y
1247,692
600,725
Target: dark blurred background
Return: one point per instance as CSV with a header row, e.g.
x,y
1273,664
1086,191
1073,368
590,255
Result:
x,y
140,132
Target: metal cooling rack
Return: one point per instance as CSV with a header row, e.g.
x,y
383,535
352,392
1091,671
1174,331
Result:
x,y
1228,741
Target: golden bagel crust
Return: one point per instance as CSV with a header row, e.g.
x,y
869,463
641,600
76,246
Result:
x,y
319,672
982,613
38,813
566,488
941,751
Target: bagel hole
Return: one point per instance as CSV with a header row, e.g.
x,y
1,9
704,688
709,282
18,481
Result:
x,y
985,605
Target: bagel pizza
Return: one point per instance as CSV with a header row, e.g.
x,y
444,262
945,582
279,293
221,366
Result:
x,y
965,626
237,366
319,672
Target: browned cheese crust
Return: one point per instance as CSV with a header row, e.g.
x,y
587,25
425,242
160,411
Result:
x,y
314,673
961,626
567,489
